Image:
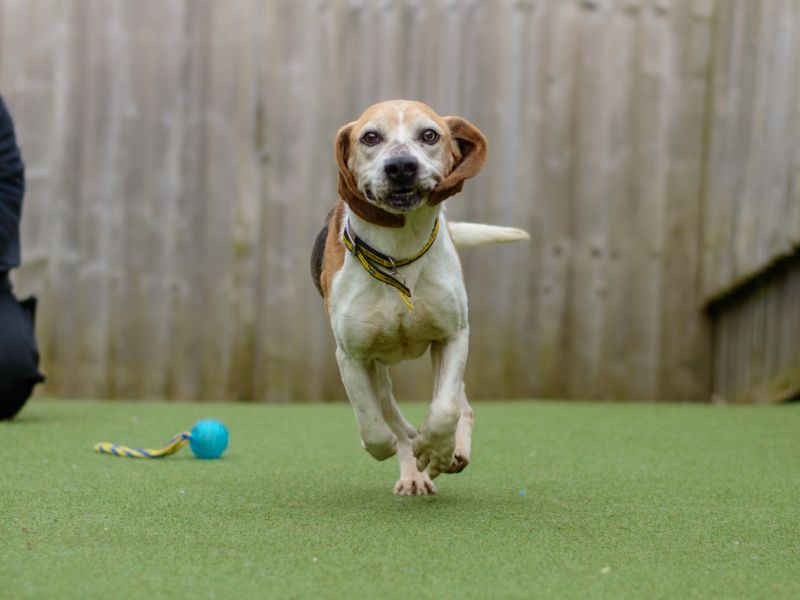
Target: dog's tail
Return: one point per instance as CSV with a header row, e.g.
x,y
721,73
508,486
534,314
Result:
x,y
469,235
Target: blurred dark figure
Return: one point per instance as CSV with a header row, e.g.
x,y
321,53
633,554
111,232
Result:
x,y
19,357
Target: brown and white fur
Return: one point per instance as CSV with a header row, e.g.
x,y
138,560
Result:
x,y
397,163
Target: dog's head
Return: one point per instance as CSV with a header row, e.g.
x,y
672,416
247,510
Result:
x,y
400,155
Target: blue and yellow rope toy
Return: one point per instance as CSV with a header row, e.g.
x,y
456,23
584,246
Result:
x,y
207,439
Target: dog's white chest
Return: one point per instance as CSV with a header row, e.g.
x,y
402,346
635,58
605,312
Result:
x,y
370,320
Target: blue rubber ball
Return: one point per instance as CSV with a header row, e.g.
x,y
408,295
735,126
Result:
x,y
208,439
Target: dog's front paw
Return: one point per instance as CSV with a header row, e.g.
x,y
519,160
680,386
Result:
x,y
460,462
416,485
434,452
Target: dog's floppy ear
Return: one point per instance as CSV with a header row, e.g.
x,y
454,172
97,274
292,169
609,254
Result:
x,y
347,184
348,188
469,150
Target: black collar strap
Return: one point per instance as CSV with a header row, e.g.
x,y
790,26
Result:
x,y
372,260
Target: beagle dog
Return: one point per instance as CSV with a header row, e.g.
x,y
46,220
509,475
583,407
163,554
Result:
x,y
387,269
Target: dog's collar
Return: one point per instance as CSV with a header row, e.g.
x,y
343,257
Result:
x,y
372,260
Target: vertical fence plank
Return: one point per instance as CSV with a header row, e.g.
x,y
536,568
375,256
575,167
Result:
x,y
684,340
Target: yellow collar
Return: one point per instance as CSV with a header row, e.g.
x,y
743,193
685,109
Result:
x,y
372,260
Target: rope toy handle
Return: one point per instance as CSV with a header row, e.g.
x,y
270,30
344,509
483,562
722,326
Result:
x,y
176,443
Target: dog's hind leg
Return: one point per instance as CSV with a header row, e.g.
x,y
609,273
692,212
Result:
x,y
412,482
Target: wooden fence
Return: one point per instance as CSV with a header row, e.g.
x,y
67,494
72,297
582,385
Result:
x,y
179,163
752,198
751,241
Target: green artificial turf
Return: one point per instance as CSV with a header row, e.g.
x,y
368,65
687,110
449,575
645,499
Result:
x,y
562,500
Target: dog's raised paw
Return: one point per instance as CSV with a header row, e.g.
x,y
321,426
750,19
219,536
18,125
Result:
x,y
459,463
435,457
416,485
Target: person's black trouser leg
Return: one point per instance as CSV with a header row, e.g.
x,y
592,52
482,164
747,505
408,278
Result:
x,y
19,356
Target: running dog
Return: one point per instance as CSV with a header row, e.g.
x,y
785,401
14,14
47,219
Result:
x,y
391,280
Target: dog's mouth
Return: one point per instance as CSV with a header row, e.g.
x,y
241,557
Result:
x,y
404,199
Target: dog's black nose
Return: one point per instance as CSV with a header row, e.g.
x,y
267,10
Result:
x,y
401,170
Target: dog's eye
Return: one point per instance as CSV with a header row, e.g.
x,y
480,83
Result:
x,y
370,138
429,136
